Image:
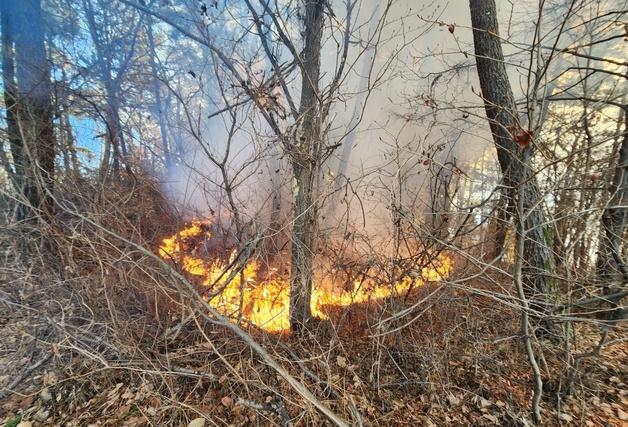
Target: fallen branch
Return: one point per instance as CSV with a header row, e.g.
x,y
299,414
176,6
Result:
x,y
26,372
221,320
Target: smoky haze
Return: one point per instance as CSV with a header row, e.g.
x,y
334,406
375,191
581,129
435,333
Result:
x,y
409,110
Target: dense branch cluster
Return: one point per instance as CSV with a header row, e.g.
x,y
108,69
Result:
x,y
372,196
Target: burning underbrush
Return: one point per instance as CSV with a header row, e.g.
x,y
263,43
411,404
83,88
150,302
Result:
x,y
255,293
112,339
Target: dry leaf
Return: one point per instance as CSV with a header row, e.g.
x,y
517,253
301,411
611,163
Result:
x,y
198,422
50,378
45,395
226,401
341,361
453,400
42,415
484,403
565,417
128,394
492,418
522,137
154,401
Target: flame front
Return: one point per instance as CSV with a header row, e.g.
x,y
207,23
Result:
x,y
264,302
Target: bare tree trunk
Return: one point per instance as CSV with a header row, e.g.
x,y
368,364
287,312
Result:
x,y
513,157
442,183
611,265
115,143
105,159
33,145
70,145
63,146
306,157
114,130
499,224
21,162
176,133
525,307
274,242
275,180
163,130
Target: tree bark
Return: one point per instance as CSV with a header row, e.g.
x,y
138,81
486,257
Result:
x,y
513,157
612,268
29,107
115,134
306,157
21,162
71,145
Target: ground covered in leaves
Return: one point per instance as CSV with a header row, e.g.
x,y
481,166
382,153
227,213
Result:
x,y
112,339
450,366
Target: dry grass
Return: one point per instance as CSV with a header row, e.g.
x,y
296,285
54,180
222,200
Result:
x,y
98,333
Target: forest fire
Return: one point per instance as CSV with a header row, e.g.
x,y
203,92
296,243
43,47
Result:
x,y
263,301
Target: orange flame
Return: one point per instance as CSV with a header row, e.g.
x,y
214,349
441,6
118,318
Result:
x,y
264,303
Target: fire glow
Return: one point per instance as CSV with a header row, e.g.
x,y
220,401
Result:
x,y
264,302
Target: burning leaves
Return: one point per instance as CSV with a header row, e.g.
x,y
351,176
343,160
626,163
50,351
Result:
x,y
264,301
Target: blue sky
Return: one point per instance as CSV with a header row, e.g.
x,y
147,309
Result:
x,y
85,130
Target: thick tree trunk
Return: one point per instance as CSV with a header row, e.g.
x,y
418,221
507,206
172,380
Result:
x,y
29,103
21,163
306,157
611,265
513,157
303,239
